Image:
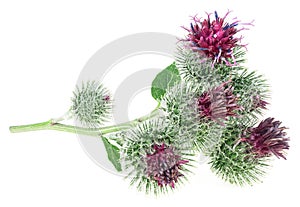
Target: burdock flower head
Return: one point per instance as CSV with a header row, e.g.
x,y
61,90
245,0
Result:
x,y
91,104
216,39
157,155
267,138
164,165
218,103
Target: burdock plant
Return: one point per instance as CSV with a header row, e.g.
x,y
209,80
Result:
x,y
208,102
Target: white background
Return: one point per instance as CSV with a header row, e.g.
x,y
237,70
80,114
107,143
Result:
x,y
44,46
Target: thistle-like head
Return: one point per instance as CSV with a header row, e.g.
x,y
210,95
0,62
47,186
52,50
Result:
x,y
156,154
218,103
164,165
91,104
215,38
268,138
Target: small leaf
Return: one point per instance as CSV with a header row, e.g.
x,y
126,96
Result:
x,y
164,80
113,154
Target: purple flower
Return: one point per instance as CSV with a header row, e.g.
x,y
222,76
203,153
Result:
x,y
215,39
164,165
218,103
267,138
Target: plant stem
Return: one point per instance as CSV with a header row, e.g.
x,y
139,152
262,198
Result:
x,y
96,132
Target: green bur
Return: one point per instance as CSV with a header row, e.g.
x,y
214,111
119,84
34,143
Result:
x,y
232,160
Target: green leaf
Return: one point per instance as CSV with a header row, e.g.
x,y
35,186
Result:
x,y
164,80
113,154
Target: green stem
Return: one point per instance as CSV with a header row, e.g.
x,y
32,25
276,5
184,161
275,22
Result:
x,y
96,132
